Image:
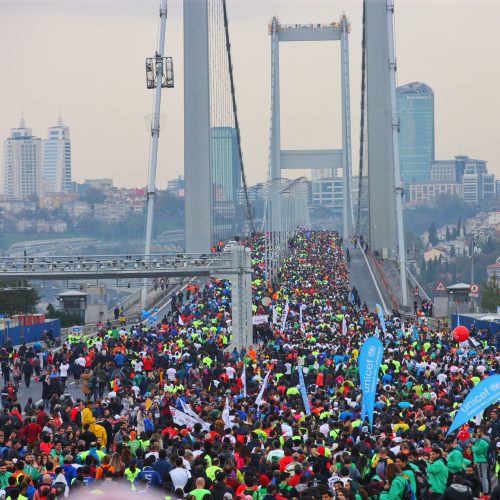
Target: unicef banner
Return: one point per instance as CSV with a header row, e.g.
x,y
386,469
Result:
x,y
370,359
381,317
486,393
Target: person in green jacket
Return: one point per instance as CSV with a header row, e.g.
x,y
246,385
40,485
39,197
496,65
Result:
x,y
402,462
396,485
456,461
480,451
437,474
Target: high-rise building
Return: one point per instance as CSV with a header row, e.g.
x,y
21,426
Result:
x,y
22,164
56,163
226,182
416,132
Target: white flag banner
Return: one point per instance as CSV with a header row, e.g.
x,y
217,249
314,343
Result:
x,y
226,417
301,321
244,380
181,322
275,315
187,409
259,320
181,418
258,400
344,327
285,316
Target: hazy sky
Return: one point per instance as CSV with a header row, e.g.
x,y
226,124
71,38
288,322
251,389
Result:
x,y
86,57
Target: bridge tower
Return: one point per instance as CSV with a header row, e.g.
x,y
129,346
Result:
x,y
197,157
280,159
385,189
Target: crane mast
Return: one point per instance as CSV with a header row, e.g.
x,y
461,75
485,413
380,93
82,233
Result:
x,y
159,74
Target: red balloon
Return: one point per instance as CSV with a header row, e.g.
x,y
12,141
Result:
x,y
461,333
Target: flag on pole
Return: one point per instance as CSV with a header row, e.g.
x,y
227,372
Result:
x,y
226,418
303,391
244,379
258,399
381,317
301,309
275,315
285,316
344,326
181,322
370,358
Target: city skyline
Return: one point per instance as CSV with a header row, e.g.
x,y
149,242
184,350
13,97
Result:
x,y
107,109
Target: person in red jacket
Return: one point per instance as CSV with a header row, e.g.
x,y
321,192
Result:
x,y
32,433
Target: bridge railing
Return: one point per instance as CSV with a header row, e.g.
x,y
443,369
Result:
x,y
106,266
392,299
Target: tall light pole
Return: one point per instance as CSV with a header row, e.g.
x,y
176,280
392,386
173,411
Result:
x,y
159,74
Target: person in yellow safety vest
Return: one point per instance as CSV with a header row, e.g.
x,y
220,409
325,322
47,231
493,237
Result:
x,y
88,417
131,472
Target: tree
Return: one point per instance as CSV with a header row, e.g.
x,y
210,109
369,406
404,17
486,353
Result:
x,y
448,234
433,239
491,295
17,298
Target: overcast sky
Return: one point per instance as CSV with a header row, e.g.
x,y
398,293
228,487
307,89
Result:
x,y
86,57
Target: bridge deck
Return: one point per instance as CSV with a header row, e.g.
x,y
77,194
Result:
x,y
361,278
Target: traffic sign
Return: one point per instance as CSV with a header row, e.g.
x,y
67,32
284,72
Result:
x,y
474,288
440,287
76,330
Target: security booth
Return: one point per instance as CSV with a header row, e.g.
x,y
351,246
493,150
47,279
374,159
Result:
x,y
459,300
73,302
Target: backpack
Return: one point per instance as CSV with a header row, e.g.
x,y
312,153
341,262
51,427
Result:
x,y
408,492
422,485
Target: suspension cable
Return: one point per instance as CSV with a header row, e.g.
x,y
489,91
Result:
x,y
236,122
362,139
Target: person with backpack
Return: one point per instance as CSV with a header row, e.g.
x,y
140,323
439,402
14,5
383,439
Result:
x,y
408,472
481,454
397,486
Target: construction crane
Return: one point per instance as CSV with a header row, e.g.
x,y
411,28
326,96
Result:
x,y
159,74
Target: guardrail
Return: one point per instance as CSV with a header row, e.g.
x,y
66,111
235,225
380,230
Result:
x,y
383,280
415,283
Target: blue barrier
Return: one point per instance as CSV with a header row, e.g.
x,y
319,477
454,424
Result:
x,y
468,321
29,333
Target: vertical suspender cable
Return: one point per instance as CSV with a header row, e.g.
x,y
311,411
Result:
x,y
236,121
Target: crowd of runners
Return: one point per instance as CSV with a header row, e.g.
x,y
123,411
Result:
x,y
172,409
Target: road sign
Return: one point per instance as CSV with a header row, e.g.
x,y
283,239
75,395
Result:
x,y
440,287
474,288
77,330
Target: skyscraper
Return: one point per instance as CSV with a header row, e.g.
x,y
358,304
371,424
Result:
x,y
416,133
22,164
56,164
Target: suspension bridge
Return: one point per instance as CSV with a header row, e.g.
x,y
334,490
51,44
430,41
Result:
x,y
216,191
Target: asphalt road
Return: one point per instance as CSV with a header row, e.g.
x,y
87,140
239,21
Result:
x,y
361,278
